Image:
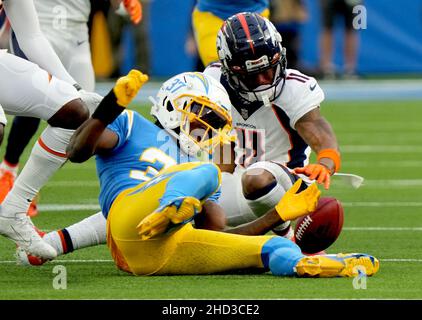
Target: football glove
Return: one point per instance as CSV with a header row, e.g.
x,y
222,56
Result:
x,y
294,205
127,87
134,8
158,222
317,172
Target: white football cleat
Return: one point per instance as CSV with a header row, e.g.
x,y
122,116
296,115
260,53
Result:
x,y
24,259
22,232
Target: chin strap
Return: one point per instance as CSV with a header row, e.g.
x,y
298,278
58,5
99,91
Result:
x,y
266,101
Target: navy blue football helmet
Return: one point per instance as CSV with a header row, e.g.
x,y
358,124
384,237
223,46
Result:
x,y
252,57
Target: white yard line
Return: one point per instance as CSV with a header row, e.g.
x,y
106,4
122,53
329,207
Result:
x,y
60,261
381,148
66,261
384,164
67,207
383,204
70,183
382,228
369,183
393,183
92,206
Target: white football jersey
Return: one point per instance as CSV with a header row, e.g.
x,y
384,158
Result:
x,y
54,11
268,133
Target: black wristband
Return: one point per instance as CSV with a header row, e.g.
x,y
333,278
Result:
x,y
108,109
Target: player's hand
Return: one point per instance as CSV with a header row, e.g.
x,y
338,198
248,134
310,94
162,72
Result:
x,y
294,205
127,87
134,8
316,172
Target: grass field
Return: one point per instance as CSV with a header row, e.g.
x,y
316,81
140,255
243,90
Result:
x,y
380,141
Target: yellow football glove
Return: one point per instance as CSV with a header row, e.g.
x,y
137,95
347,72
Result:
x,y
294,205
127,87
157,222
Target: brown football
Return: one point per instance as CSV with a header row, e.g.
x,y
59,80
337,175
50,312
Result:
x,y
318,230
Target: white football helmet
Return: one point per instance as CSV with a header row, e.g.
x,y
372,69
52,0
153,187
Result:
x,y
195,109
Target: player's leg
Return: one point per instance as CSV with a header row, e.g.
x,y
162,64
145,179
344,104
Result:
x,y
181,250
77,60
48,98
21,132
182,197
205,28
248,194
232,200
88,232
185,250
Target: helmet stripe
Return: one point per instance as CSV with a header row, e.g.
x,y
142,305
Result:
x,y
245,27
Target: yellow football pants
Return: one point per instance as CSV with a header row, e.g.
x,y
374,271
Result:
x,y
184,251
205,28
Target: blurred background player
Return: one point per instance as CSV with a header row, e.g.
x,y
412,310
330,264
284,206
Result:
x,y
331,10
43,95
153,218
288,17
209,15
276,117
64,24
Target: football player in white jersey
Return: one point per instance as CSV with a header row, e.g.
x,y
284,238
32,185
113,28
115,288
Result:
x,y
43,89
276,116
65,25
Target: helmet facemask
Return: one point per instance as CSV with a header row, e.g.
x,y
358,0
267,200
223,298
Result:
x,y
244,83
203,124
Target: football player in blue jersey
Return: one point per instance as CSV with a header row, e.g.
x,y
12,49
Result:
x,y
208,17
152,188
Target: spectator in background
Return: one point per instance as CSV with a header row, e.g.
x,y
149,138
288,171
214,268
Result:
x,y
208,17
287,15
330,10
127,36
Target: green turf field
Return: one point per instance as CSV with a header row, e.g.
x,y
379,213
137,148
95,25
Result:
x,y
379,140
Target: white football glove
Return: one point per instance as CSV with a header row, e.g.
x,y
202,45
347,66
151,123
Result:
x,y
91,99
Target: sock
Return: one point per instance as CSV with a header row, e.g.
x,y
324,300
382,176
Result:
x,y
281,256
262,203
12,168
89,232
47,156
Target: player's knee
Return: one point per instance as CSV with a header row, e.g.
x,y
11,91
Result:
x,y
211,174
70,116
256,183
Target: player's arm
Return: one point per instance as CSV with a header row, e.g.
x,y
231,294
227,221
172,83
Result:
x,y
224,157
319,135
291,206
93,137
24,21
212,217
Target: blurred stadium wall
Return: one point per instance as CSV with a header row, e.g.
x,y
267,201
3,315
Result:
x,y
391,44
